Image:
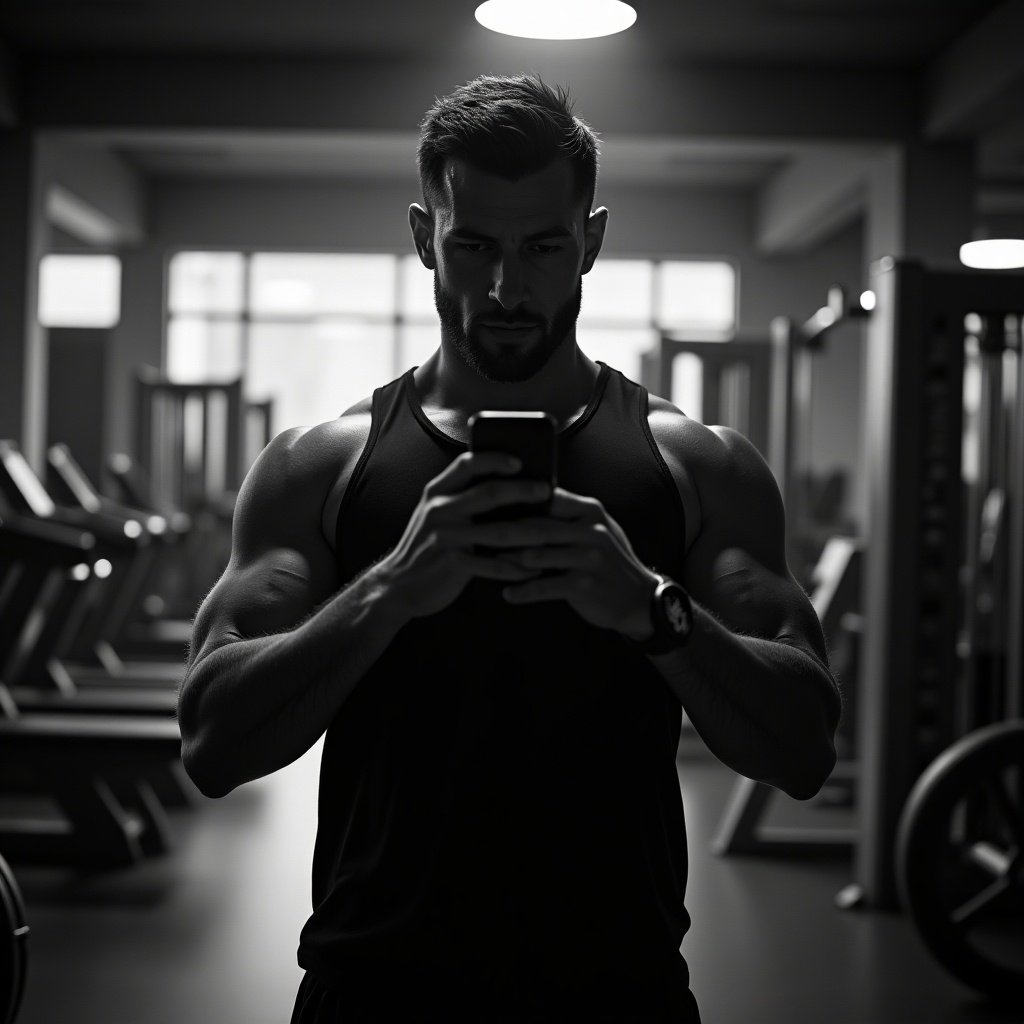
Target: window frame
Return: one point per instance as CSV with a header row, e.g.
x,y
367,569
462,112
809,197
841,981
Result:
x,y
398,318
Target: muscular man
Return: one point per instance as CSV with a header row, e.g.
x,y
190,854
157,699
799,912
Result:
x,y
501,831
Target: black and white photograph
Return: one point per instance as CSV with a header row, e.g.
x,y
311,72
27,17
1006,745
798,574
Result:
x,y
512,511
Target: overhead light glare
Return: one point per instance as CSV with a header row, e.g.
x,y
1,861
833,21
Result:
x,y
993,253
556,19
867,300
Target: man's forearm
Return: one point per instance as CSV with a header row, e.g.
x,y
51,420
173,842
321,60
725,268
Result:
x,y
253,706
766,709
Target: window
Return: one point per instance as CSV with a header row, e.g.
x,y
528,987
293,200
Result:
x,y
316,332
79,291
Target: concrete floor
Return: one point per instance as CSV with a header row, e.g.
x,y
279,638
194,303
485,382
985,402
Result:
x,y
208,935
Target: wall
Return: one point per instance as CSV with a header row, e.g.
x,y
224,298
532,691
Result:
x,y
77,380
92,194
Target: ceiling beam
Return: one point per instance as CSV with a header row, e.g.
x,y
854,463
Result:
x,y
74,92
978,82
811,198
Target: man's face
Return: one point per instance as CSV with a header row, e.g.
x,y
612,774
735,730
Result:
x,y
509,256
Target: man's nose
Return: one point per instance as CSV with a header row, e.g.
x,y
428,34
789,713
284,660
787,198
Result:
x,y
507,287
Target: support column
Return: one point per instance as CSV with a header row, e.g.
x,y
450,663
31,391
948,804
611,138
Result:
x,y
23,243
136,340
920,204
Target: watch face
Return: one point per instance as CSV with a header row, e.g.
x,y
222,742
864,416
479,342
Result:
x,y
677,611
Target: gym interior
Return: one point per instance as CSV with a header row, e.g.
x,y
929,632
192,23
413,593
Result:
x,y
205,242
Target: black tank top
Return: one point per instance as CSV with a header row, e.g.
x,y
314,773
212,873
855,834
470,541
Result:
x,y
499,793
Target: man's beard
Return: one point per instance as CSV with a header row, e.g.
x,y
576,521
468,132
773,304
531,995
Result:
x,y
513,364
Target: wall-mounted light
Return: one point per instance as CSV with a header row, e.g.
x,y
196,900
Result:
x,y
993,253
556,19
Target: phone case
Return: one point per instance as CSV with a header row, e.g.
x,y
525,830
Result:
x,y
530,436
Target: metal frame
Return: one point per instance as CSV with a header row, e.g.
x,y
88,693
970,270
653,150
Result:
x,y
915,664
735,379
838,576
913,437
740,829
794,348
160,418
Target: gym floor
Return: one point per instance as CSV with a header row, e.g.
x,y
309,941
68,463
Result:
x,y
208,935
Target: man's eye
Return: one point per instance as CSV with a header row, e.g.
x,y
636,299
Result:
x,y
473,246
546,250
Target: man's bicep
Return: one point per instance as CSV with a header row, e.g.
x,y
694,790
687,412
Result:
x,y
280,569
736,568
270,594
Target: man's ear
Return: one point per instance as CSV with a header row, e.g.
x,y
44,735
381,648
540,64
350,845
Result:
x,y
422,225
593,237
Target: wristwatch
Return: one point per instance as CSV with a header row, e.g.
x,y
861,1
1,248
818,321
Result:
x,y
672,616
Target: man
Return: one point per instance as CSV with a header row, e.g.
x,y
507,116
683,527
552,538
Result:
x,y
501,831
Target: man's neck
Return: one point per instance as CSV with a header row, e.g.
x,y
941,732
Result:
x,y
445,385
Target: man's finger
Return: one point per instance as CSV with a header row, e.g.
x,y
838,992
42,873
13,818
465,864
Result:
x,y
470,467
565,504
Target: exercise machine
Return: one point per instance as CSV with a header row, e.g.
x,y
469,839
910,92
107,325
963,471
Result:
x,y
93,767
742,828
940,765
194,444
941,802
937,618
14,931
735,381
812,511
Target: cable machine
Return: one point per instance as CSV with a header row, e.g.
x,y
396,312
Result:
x,y
941,803
939,685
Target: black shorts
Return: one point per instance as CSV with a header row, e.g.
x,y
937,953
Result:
x,y
318,1004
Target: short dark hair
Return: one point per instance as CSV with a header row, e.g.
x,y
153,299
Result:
x,y
510,126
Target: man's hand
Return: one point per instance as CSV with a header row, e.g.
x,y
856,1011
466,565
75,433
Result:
x,y
587,560
439,553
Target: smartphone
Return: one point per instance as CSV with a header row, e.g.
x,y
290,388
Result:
x,y
530,436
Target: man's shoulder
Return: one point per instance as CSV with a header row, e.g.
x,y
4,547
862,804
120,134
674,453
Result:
x,y
700,448
308,458
720,461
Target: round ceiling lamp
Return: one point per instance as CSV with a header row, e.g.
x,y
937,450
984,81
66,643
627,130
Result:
x,y
993,253
556,19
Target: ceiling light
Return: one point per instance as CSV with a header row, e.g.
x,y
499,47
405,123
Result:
x,y
993,253
556,19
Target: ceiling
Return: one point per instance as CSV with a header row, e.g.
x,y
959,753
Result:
x,y
861,35
898,33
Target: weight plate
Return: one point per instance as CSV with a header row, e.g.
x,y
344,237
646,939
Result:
x,y
960,859
13,945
